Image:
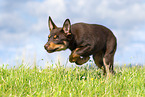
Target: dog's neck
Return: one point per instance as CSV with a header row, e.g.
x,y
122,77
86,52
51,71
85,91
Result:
x,y
72,43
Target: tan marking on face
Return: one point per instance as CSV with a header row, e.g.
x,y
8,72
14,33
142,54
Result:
x,y
53,45
57,46
49,36
55,36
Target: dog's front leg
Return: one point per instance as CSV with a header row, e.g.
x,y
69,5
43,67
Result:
x,y
82,60
77,53
74,56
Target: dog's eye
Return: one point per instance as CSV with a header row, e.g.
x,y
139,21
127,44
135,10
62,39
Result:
x,y
55,37
49,36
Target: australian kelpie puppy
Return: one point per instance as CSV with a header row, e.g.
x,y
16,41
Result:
x,y
83,40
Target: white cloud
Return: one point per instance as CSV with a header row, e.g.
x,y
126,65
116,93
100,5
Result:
x,y
51,7
11,21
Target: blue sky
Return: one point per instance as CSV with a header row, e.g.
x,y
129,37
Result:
x,y
24,27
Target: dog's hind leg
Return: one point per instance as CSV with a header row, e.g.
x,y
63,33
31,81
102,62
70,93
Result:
x,y
108,58
108,63
98,58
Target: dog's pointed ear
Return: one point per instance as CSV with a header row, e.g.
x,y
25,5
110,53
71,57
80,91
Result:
x,y
51,24
67,27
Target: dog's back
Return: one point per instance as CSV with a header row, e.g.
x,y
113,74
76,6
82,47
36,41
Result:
x,y
93,34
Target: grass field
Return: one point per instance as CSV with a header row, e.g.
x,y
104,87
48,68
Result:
x,y
71,82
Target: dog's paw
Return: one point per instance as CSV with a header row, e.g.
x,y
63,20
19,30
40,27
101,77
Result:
x,y
73,57
82,60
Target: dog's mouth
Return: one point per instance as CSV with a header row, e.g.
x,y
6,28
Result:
x,y
51,50
56,47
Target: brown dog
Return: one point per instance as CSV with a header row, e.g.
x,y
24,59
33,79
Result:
x,y
83,40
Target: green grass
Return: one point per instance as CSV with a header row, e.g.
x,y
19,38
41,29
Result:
x,y
71,82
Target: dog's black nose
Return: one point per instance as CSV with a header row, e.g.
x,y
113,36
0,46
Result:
x,y
46,46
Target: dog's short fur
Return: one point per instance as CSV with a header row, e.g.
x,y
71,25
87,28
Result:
x,y
83,40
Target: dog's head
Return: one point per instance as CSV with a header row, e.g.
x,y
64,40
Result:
x,y
58,38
